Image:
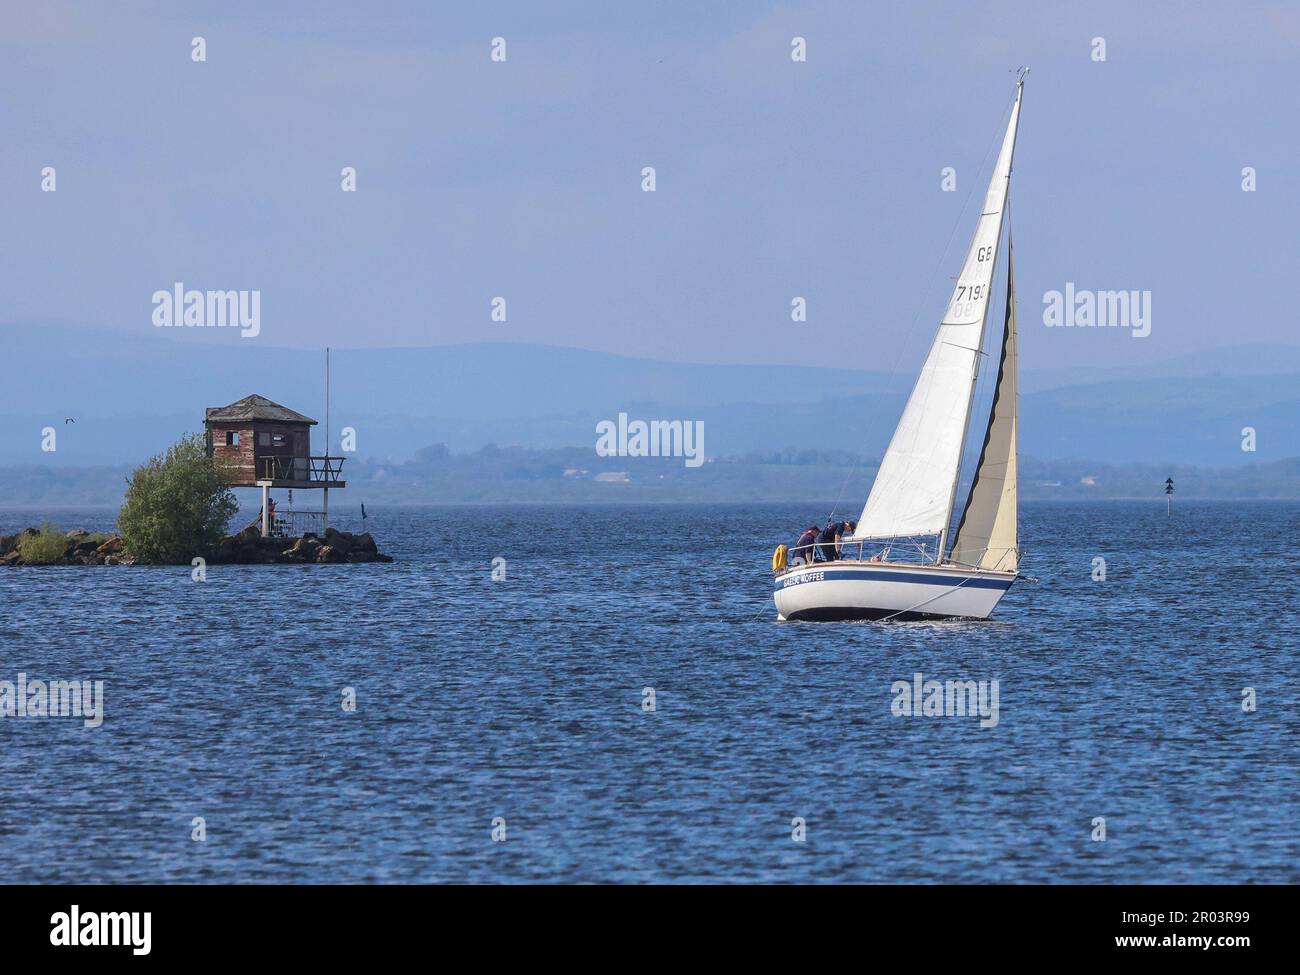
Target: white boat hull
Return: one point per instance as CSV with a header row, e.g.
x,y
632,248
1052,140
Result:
x,y
853,590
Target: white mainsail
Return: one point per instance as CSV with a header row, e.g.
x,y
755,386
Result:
x,y
916,484
986,536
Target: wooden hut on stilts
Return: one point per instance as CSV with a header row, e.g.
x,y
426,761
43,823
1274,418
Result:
x,y
267,445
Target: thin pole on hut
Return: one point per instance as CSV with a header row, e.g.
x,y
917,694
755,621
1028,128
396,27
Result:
x,y
326,499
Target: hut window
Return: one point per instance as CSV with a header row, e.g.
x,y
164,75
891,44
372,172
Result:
x,y
232,438
264,439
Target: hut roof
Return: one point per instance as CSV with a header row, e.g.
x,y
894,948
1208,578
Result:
x,y
254,408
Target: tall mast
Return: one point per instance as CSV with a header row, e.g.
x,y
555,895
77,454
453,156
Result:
x,y
1013,127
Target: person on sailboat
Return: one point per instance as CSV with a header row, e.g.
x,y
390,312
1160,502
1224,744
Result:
x,y
828,543
802,551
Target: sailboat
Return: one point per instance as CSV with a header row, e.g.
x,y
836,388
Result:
x,y
914,572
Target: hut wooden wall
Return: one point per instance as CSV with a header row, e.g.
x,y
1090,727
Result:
x,y
240,457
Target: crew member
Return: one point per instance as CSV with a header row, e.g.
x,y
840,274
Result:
x,y
831,538
802,552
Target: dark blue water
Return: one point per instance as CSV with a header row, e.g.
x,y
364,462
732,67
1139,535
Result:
x,y
522,699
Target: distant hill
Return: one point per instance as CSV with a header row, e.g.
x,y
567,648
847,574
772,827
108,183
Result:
x,y
130,394
1236,361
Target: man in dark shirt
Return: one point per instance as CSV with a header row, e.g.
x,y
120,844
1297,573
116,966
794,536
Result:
x,y
828,543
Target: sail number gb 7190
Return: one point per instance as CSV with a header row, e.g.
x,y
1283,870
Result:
x,y
967,296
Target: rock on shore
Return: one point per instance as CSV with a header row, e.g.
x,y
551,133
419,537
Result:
x,y
246,548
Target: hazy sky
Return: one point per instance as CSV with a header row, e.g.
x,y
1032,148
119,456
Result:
x,y
775,179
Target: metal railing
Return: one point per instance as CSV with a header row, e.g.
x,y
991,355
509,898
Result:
x,y
322,470
904,551
901,551
294,523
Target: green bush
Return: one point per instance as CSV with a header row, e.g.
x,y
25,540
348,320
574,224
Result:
x,y
46,548
177,505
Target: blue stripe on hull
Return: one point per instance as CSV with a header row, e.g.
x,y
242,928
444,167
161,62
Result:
x,y
919,578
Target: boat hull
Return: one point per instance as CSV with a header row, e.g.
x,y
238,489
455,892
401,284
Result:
x,y
874,590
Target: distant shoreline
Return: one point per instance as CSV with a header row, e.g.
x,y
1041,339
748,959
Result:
x,y
379,507
492,475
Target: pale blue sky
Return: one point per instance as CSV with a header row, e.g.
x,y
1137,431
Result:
x,y
775,179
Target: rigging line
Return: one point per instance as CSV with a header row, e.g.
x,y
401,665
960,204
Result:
x,y
923,301
924,602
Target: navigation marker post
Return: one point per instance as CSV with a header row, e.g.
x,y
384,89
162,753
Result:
x,y
1169,497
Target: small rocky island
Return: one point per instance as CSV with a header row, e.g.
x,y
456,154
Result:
x,y
178,504
246,548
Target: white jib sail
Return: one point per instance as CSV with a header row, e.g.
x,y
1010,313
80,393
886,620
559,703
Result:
x,y
987,534
915,486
